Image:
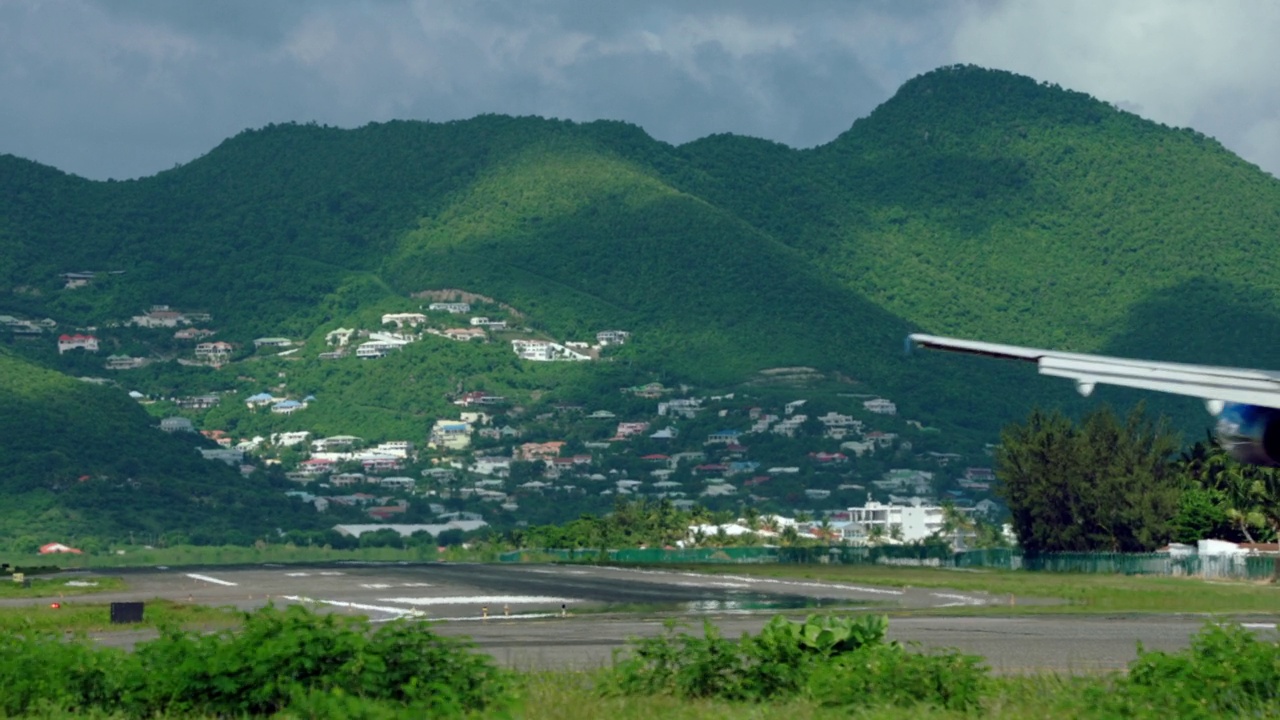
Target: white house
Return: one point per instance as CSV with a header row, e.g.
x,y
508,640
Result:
x,y
612,337
402,319
880,406
88,343
913,522
454,308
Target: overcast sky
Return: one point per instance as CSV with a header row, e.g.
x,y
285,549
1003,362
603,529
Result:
x,y
123,88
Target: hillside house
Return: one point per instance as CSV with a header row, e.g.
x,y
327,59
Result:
x,y
215,353
380,464
464,334
628,429
191,334
395,448
317,466
487,465
159,316
484,322
402,319
379,348
346,479
88,343
335,442
56,547
76,280
546,351
198,402
289,439
666,433
612,337
440,475
454,308
683,407
287,407
539,451
881,406
405,484
723,437
450,434
177,424
479,397
230,456
124,362
272,342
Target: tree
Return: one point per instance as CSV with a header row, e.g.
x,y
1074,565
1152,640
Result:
x,y
1099,485
1227,499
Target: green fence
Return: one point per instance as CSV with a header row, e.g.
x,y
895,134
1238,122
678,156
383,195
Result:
x,y
1251,567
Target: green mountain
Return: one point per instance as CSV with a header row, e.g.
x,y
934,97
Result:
x,y
974,203
85,461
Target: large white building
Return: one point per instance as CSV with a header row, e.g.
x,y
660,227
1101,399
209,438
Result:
x,y
909,522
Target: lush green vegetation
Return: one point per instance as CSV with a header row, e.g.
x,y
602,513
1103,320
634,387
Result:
x,y
314,664
85,462
293,663
973,202
1116,486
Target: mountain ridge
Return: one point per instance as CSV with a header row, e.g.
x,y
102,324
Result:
x,y
973,202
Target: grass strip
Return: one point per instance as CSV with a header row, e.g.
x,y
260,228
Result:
x,y
96,617
1077,592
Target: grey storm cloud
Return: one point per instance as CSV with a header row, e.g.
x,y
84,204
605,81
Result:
x,y
123,88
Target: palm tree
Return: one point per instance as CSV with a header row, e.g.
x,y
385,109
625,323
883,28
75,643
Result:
x,y
790,537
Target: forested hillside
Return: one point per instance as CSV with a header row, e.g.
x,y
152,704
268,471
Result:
x,y
974,202
86,461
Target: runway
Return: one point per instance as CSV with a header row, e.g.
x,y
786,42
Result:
x,y
552,616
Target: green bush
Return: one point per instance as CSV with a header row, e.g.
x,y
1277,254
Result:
x,y
892,675
1226,671
292,659
41,670
836,661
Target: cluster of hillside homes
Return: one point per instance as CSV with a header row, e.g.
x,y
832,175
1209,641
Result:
x,y
471,459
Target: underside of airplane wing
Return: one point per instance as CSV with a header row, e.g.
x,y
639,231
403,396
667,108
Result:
x,y
1216,385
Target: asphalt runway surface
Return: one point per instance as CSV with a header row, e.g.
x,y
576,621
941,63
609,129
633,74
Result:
x,y
550,617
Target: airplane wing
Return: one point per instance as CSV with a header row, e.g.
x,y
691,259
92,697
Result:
x,y
1215,385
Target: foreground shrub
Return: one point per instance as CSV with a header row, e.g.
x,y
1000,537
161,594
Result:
x,y
1226,671
891,675
45,670
835,661
325,665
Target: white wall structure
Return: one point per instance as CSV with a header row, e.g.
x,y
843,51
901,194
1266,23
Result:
x,y
914,522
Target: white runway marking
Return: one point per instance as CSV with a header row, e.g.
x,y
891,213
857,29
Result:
x,y
417,584
357,606
959,600
1251,626
298,574
375,586
763,581
213,580
492,600
331,573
